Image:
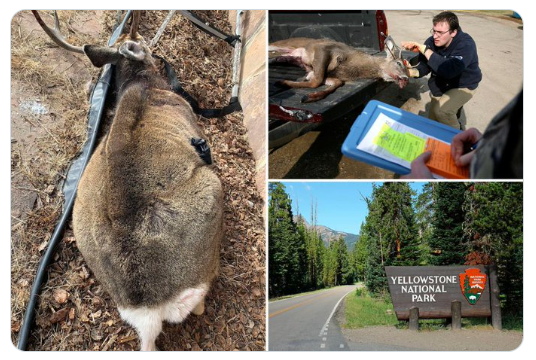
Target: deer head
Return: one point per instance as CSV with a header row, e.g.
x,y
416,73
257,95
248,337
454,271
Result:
x,y
130,53
395,68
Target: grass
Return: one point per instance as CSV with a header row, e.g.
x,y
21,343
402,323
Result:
x,y
512,322
362,311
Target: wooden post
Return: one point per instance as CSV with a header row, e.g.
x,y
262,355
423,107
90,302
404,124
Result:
x,y
456,310
494,293
414,318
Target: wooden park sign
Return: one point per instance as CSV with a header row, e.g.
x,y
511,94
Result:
x,y
443,291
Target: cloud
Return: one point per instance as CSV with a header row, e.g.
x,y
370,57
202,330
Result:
x,y
308,187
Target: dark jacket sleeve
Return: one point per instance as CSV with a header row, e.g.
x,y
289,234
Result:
x,y
423,67
455,64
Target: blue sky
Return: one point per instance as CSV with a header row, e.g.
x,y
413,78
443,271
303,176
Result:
x,y
340,205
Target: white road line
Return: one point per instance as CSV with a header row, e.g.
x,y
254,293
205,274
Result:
x,y
324,339
325,327
322,346
342,346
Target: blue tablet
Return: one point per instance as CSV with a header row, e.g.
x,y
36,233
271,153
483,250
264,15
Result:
x,y
364,122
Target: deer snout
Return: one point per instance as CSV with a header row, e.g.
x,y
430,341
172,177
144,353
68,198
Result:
x,y
132,50
403,80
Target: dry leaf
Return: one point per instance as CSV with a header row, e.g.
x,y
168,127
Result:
x,y
43,245
72,314
59,315
96,315
60,296
256,292
15,327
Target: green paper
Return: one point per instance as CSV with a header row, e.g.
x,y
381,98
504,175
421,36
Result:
x,y
405,146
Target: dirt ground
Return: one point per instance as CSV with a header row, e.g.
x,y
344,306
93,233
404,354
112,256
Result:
x,y
378,338
48,125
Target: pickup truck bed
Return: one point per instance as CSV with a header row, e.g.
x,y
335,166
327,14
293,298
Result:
x,y
343,100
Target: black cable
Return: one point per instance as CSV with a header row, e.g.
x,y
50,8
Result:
x,y
234,104
205,27
95,115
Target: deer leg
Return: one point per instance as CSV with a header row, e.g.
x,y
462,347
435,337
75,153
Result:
x,y
315,78
147,322
333,84
200,308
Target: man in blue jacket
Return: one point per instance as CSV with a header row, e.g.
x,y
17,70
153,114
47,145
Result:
x,y
450,55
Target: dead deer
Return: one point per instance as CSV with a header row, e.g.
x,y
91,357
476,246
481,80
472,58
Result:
x,y
332,63
148,215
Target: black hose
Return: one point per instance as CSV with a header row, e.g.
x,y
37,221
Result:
x,y
29,316
98,99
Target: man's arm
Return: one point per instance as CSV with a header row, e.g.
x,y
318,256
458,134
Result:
x,y
454,65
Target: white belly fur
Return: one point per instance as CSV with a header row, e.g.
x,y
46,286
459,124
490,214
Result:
x,y
148,320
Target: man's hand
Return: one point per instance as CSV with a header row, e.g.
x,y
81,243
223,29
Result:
x,y
419,170
461,146
413,46
412,72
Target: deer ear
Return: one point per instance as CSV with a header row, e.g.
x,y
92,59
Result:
x,y
101,55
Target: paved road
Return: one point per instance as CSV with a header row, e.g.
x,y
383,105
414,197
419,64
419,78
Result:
x,y
500,48
306,323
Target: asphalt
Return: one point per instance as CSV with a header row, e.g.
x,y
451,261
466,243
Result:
x,y
306,323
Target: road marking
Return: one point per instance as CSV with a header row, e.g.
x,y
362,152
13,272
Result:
x,y
322,346
297,305
324,339
333,312
341,346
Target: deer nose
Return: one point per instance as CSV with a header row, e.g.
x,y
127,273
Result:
x,y
132,50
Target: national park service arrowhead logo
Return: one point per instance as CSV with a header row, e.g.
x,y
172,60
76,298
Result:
x,y
473,283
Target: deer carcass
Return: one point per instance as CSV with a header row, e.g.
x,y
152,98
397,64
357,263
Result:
x,y
332,63
148,214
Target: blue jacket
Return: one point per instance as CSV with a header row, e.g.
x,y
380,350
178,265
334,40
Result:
x,y
453,67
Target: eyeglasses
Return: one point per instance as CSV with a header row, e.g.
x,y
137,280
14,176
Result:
x,y
440,33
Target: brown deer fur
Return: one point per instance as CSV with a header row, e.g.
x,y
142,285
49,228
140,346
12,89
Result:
x,y
148,215
332,63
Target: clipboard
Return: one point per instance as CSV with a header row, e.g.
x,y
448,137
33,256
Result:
x,y
364,122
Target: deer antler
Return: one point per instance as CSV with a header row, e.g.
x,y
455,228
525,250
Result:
x,y
55,34
136,14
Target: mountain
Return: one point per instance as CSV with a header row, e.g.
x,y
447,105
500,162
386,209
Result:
x,y
329,235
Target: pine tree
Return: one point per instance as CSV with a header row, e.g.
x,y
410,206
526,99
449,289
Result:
x,y
286,249
447,241
424,215
494,225
360,256
390,232
344,272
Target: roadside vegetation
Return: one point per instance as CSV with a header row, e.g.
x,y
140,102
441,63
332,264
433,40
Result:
x,y
362,310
